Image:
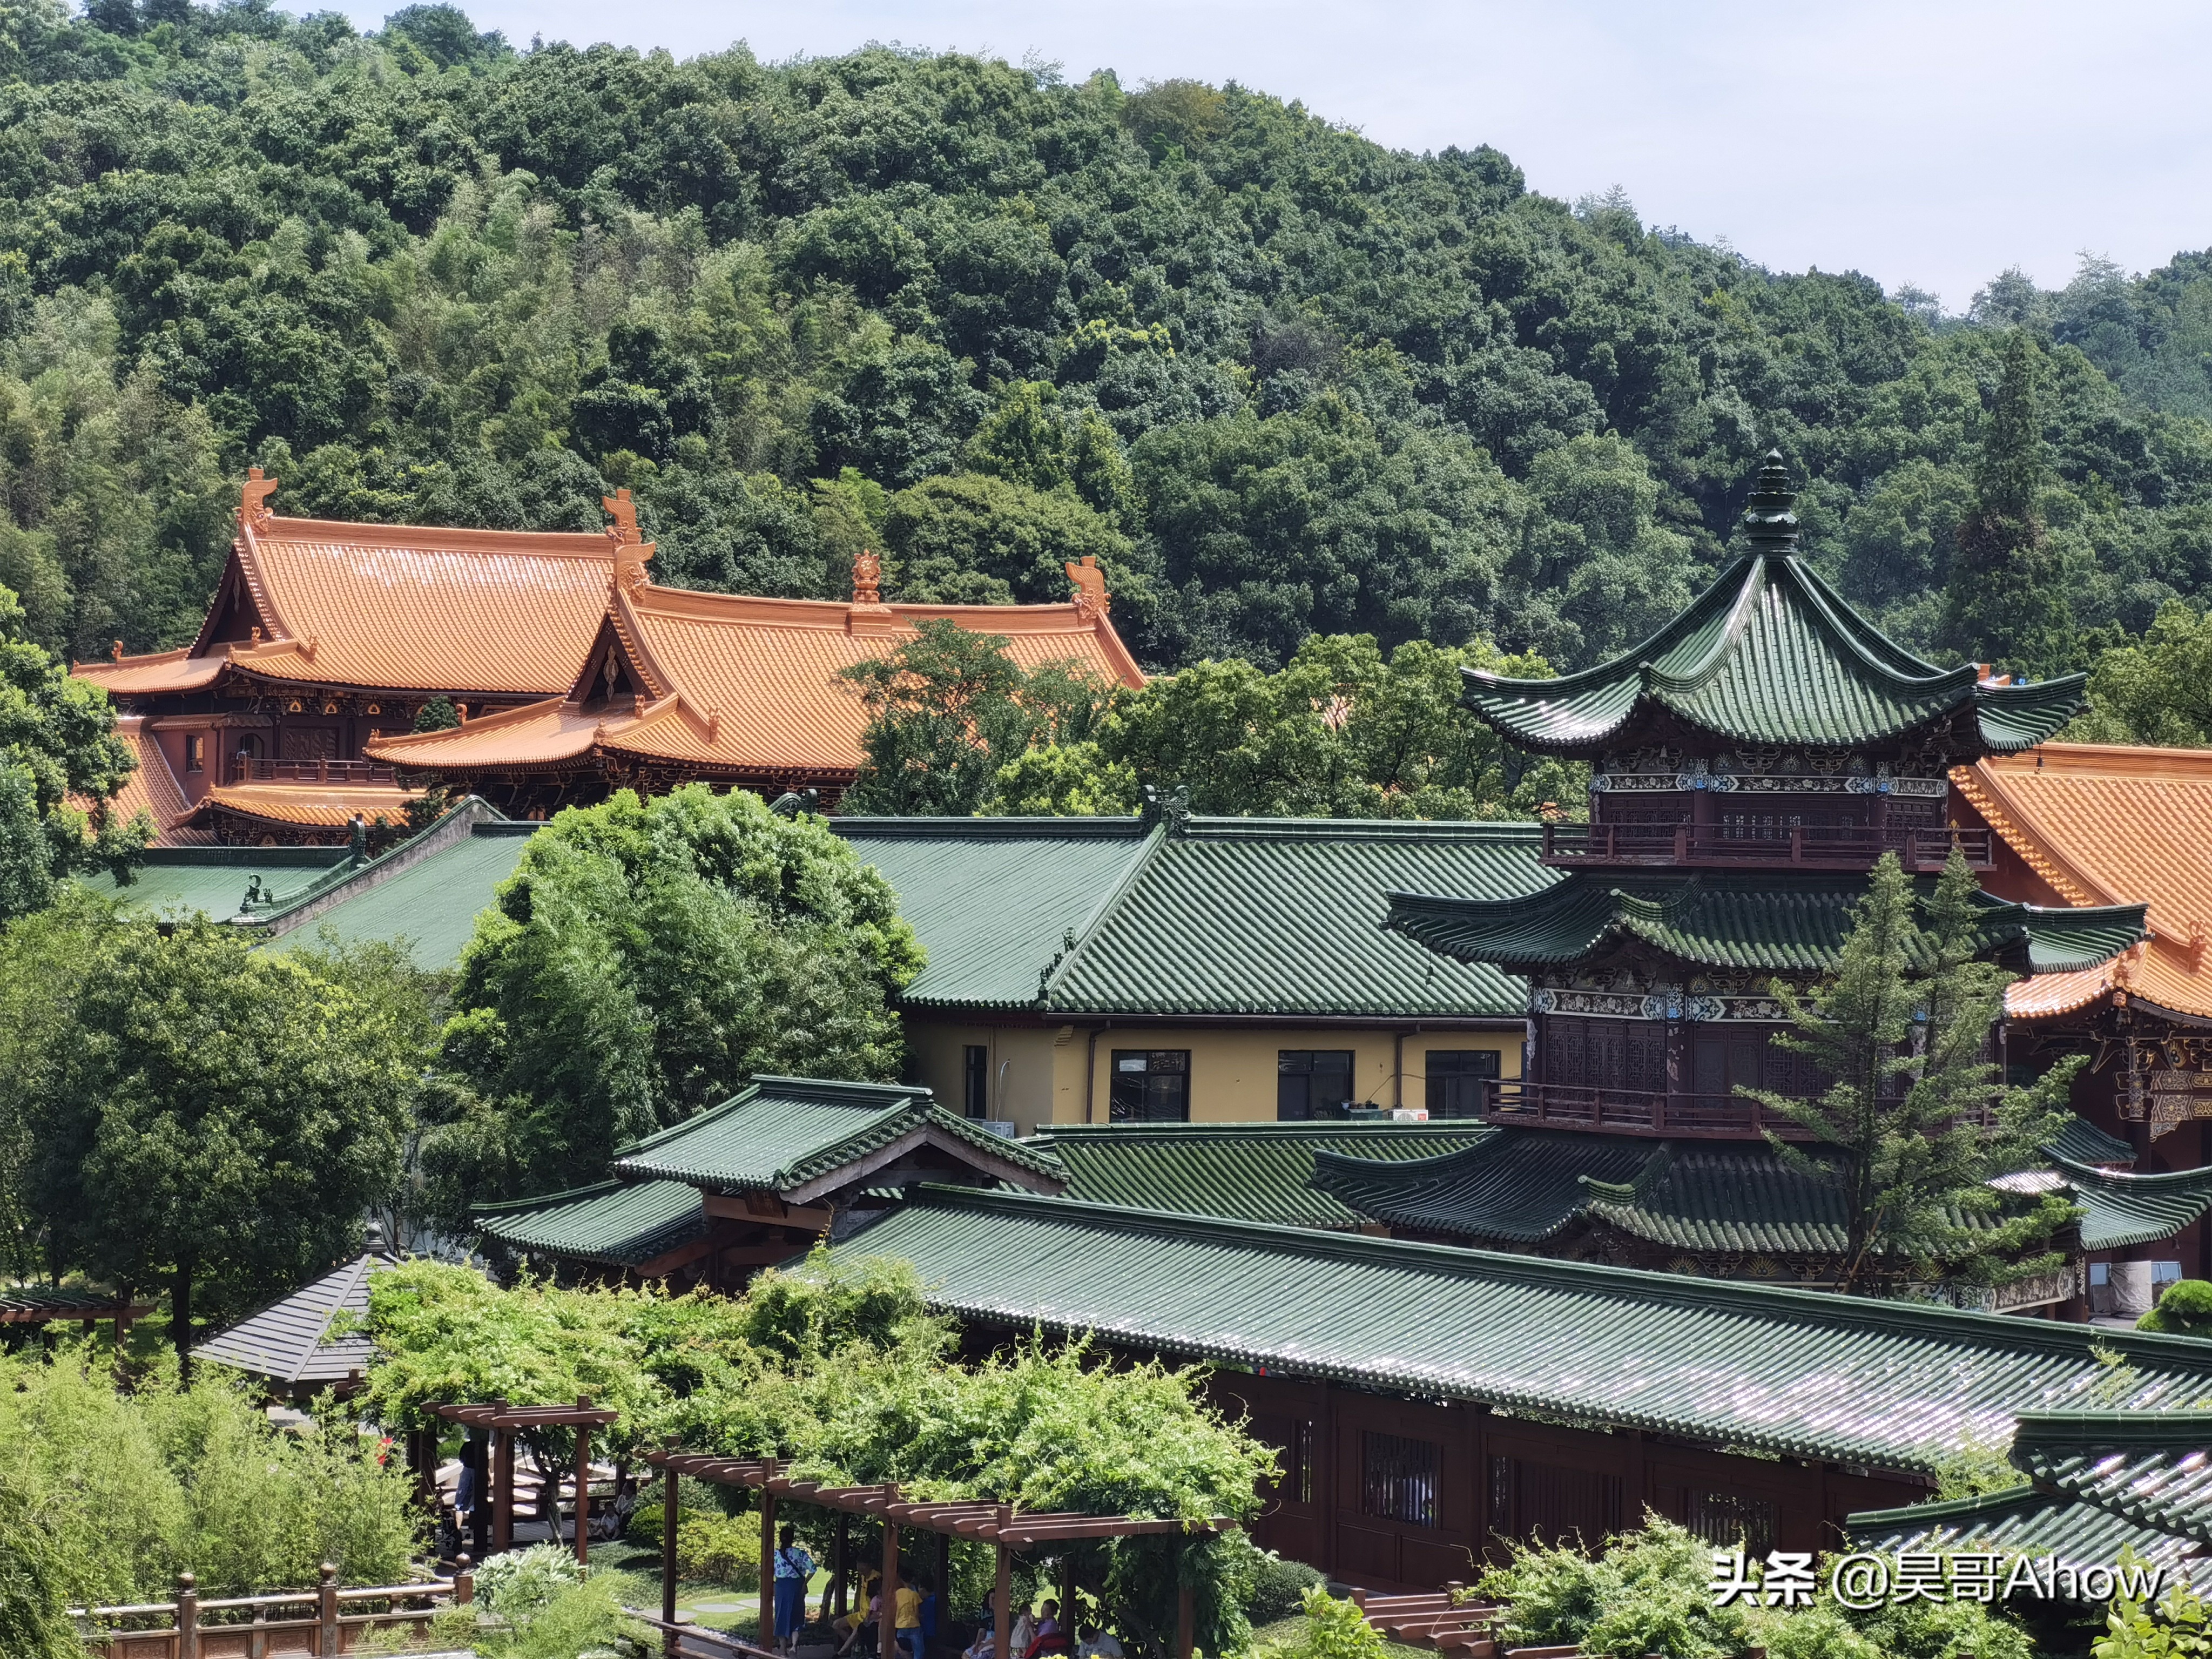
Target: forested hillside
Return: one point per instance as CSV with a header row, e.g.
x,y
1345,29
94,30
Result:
x,y
1279,379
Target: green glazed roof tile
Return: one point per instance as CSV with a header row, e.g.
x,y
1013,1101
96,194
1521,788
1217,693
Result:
x,y
1757,919
2103,1481
2085,1143
1248,1171
1261,916
614,1223
432,904
1800,1373
2119,1209
993,900
1771,654
783,1132
212,881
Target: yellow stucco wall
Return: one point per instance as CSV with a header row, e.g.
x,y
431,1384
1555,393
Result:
x,y
1036,1074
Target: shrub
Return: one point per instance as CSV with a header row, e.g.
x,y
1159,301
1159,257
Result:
x,y
2185,1310
723,1549
1335,1630
1279,1587
519,1584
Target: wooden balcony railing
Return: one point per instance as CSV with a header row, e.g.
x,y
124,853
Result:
x,y
255,769
326,1619
1922,847
1631,1112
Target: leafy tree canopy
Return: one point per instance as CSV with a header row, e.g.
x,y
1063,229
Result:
x,y
1300,382
217,1118
644,959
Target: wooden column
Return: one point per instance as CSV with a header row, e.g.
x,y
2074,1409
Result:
x,y
1325,1484
840,1562
890,1582
942,1588
1186,1619
479,1540
767,1567
502,1515
1002,1613
668,1523
1067,1595
188,1617
583,1486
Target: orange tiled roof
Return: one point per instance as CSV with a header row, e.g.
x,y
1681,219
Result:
x,y
328,806
2102,824
401,607
746,686
152,789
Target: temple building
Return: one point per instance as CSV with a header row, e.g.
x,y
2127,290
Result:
x,y
321,636
293,712
2088,825
1749,764
679,687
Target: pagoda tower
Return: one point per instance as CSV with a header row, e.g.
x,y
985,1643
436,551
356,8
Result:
x,y
1749,762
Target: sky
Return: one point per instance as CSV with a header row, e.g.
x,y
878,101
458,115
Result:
x,y
1934,142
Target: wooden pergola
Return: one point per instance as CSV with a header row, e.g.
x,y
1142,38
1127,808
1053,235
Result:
x,y
1011,1530
492,1424
39,1304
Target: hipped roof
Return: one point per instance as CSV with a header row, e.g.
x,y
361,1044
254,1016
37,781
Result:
x,y
285,1341
419,608
1213,916
1798,1373
2103,824
1771,654
740,686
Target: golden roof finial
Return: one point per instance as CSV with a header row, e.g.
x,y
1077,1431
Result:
x,y
867,577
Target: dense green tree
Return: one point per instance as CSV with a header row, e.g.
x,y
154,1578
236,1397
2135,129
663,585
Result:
x,y
2156,691
2005,604
945,712
1342,732
644,960
971,538
1915,1123
219,1121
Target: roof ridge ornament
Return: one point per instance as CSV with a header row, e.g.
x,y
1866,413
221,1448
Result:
x,y
631,549
867,577
1769,520
254,509
1091,600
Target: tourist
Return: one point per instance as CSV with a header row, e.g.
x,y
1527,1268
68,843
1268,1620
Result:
x,y
794,1569
985,1646
1097,1643
861,1619
1049,1637
910,1619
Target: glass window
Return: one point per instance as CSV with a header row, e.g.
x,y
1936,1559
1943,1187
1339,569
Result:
x,y
1455,1080
1312,1083
976,1080
1398,1478
195,753
1150,1085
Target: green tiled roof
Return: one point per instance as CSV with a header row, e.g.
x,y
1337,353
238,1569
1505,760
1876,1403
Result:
x,y
1258,917
2120,1209
2085,1143
1757,919
1800,1373
1527,1185
212,881
993,900
1520,1186
1249,1171
1771,654
783,1133
613,1224
432,904
2103,1481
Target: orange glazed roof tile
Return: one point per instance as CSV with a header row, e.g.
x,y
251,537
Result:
x,y
2103,824
152,789
748,685
325,806
399,607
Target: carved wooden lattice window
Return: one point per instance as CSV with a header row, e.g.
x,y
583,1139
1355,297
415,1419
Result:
x,y
1398,1478
1607,1053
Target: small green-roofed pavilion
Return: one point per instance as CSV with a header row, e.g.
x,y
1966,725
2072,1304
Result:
x,y
801,1139
1783,1372
1250,1172
2099,1482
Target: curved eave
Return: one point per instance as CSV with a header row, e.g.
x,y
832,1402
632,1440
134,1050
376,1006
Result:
x,y
2015,717
2064,941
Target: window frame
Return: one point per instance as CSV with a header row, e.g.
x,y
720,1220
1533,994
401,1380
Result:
x,y
1299,1063
1118,1109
